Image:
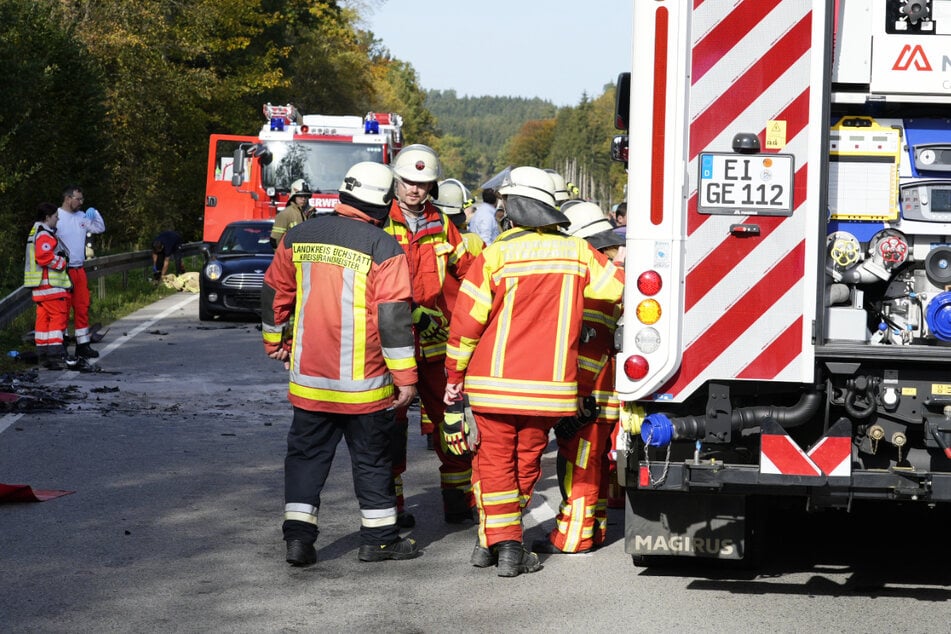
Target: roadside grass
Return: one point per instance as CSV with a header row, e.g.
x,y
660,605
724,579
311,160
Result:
x,y
124,294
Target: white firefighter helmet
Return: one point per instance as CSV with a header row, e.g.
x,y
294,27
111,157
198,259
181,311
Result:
x,y
299,188
530,198
452,196
589,222
417,163
369,182
561,189
529,182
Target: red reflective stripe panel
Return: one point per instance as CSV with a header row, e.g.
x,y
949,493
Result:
x,y
658,173
733,323
833,455
730,253
743,18
777,355
793,45
779,454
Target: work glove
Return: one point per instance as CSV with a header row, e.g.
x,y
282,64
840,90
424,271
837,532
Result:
x,y
588,411
91,213
431,324
455,430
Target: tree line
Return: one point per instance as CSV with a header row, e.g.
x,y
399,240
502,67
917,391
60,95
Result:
x,y
120,97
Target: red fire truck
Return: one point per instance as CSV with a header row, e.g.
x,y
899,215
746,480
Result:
x,y
787,329
249,177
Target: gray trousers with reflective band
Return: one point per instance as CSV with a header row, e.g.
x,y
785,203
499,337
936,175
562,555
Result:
x,y
311,444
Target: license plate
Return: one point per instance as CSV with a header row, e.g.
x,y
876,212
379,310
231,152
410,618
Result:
x,y
746,184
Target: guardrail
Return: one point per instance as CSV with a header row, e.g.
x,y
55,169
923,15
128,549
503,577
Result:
x,y
21,300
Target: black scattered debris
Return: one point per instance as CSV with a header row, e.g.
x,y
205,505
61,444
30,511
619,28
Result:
x,y
104,389
20,392
157,332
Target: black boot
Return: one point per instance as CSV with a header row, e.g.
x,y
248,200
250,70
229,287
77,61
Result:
x,y
515,560
85,351
301,553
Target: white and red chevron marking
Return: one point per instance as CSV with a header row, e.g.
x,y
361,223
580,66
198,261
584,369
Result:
x,y
747,310
780,455
833,455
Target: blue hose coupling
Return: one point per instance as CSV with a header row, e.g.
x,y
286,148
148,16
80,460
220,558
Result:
x,y
657,430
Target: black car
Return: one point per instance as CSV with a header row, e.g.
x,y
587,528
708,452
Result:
x,y
233,274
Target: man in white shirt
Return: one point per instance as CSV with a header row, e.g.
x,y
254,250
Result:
x,y
483,222
71,229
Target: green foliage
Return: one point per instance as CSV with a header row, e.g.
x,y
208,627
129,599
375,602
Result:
x,y
120,97
486,124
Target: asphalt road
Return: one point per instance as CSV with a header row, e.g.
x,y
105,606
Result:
x,y
175,453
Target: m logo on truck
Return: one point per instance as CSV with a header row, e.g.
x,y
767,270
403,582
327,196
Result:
x,y
912,55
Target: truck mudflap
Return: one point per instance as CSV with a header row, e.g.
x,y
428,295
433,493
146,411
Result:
x,y
824,472
666,524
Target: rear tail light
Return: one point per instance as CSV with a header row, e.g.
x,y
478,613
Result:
x,y
636,367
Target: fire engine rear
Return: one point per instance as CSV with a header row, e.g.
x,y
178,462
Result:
x,y
787,326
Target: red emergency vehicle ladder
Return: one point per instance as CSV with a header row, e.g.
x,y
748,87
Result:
x,y
746,303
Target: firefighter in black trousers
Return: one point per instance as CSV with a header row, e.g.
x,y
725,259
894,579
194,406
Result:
x,y
336,309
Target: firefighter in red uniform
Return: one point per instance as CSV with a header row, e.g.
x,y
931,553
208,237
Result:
x,y
45,272
344,285
435,251
584,440
513,342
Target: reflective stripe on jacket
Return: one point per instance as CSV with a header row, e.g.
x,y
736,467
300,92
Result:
x,y
434,252
515,330
44,270
346,284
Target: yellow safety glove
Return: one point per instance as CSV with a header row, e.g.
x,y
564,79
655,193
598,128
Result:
x,y
455,430
431,324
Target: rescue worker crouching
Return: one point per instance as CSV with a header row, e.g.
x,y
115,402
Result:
x,y
345,283
513,346
436,252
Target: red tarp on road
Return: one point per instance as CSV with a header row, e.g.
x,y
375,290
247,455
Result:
x,y
26,493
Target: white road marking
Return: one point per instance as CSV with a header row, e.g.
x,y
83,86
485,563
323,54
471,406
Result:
x,y
8,419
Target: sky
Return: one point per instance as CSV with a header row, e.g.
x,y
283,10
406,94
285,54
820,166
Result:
x,y
552,49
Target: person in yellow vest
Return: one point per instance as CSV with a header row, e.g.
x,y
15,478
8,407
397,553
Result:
x,y
296,212
45,272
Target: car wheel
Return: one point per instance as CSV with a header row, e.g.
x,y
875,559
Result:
x,y
204,310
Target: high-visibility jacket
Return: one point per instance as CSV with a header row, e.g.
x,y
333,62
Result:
x,y
45,266
600,319
474,246
435,251
291,216
346,284
514,333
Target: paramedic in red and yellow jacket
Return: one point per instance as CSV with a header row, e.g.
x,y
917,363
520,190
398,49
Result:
x,y
435,251
344,285
513,345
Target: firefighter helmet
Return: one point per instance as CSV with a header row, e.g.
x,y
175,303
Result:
x,y
369,182
417,163
561,190
452,196
590,223
300,188
529,195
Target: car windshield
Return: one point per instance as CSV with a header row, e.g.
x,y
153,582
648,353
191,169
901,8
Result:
x,y
246,239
